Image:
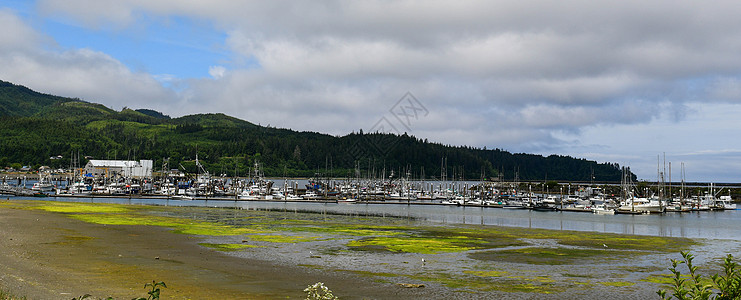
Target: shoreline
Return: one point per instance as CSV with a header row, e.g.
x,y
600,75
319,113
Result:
x,y
55,253
47,255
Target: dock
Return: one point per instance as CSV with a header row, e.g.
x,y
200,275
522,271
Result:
x,y
15,191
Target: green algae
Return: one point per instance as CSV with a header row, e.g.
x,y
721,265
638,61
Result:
x,y
281,238
578,275
521,284
487,273
547,256
73,240
668,279
421,245
76,207
371,274
397,236
627,242
183,226
227,247
316,267
617,283
351,230
586,239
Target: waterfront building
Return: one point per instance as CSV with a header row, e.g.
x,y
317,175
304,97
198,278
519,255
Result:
x,y
125,168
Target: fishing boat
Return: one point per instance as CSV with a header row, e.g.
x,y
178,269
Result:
x,y
182,197
641,204
514,204
603,209
44,184
540,206
310,195
725,202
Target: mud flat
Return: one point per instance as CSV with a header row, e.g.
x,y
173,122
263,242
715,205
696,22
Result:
x,y
60,250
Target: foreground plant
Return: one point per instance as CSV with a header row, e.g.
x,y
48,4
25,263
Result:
x,y
729,283
319,291
154,293
6,295
691,286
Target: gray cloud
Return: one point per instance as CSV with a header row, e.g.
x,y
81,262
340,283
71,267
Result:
x,y
519,75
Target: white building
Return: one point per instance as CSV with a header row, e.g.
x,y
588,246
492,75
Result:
x,y
112,168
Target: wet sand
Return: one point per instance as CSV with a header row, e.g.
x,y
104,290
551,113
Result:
x,y
46,255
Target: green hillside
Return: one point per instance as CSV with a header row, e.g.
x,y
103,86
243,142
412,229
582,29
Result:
x,y
16,100
35,126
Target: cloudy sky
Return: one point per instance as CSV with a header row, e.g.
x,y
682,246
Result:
x,y
618,81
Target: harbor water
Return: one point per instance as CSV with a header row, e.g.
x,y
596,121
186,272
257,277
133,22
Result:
x,y
724,225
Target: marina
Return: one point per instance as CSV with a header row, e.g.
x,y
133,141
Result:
x,y
473,236
724,224
131,179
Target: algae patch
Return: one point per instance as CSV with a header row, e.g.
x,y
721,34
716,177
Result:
x,y
548,256
227,247
617,283
280,238
539,284
421,245
76,207
487,273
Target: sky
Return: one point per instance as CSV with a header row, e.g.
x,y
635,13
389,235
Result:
x,y
628,82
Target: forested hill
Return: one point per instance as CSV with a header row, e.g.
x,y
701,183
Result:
x,y
36,126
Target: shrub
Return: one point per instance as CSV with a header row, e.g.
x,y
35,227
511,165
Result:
x,y
694,287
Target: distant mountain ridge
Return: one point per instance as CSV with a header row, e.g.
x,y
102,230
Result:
x,y
36,126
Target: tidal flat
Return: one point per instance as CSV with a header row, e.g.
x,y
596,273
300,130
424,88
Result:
x,y
449,261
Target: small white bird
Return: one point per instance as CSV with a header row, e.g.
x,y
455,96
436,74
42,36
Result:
x,y
423,261
603,245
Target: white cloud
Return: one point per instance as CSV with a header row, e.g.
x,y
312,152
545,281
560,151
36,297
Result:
x,y
520,75
83,73
216,71
16,34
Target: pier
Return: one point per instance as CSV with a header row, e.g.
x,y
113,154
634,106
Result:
x,y
15,191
